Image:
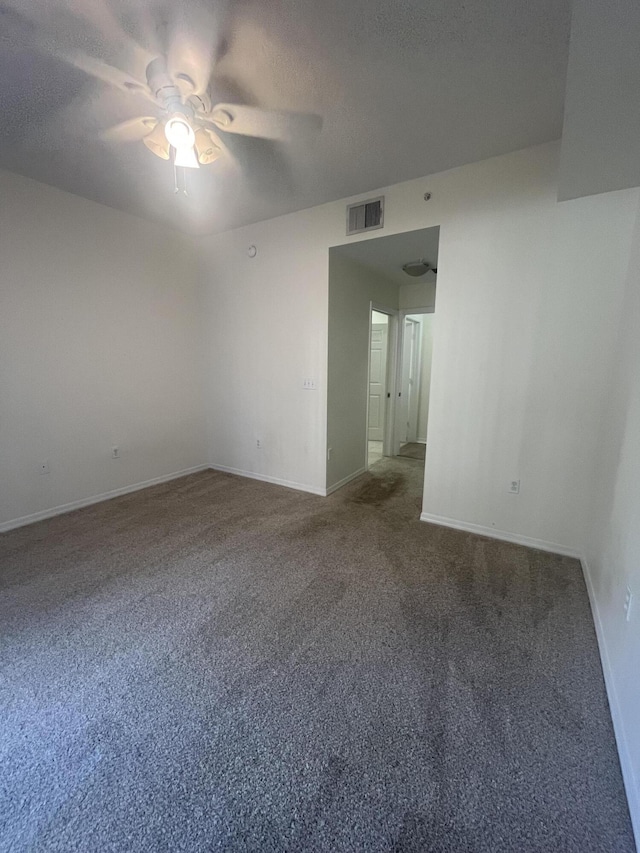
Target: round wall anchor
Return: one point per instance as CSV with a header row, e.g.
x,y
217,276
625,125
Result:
x,y
427,196
252,251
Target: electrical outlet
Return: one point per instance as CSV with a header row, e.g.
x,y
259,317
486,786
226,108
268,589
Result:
x,y
514,487
115,453
628,602
44,466
259,443
309,384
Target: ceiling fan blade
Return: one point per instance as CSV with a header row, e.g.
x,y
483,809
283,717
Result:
x,y
132,130
52,38
190,57
106,73
267,124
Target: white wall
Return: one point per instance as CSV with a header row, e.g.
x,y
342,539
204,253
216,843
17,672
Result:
x,y
516,381
266,331
517,377
418,294
352,288
99,346
613,544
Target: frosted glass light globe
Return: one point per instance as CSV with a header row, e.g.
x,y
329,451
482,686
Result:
x,y
179,133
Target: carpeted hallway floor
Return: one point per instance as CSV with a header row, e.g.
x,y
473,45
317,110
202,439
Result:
x,y
222,664
413,450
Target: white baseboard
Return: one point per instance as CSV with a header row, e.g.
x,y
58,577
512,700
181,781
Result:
x,y
264,478
502,535
626,765
94,499
331,489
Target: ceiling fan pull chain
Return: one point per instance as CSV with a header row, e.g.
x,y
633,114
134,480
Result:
x,y
176,188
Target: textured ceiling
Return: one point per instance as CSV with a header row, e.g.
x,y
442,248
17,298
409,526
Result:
x,y
404,89
387,255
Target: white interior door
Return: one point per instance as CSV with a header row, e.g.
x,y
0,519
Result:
x,y
377,381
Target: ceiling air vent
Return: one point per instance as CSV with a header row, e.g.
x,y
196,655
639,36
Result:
x,y
365,215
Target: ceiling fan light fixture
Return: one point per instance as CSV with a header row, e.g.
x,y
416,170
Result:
x,y
179,132
416,268
157,142
206,150
186,158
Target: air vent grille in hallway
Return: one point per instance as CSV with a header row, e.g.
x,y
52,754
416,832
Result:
x,y
365,215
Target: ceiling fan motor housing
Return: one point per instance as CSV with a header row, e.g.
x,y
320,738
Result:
x,y
164,88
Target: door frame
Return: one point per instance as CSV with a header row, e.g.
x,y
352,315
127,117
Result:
x,y
392,370
402,314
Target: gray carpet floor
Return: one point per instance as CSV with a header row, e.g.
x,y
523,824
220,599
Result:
x,y
413,450
222,664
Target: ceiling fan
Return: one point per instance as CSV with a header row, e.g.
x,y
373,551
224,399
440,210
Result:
x,y
182,121
188,124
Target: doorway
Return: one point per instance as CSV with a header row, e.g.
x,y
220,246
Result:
x,y
378,409
395,276
414,384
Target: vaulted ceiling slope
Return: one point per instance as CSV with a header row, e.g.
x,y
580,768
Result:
x,y
403,89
